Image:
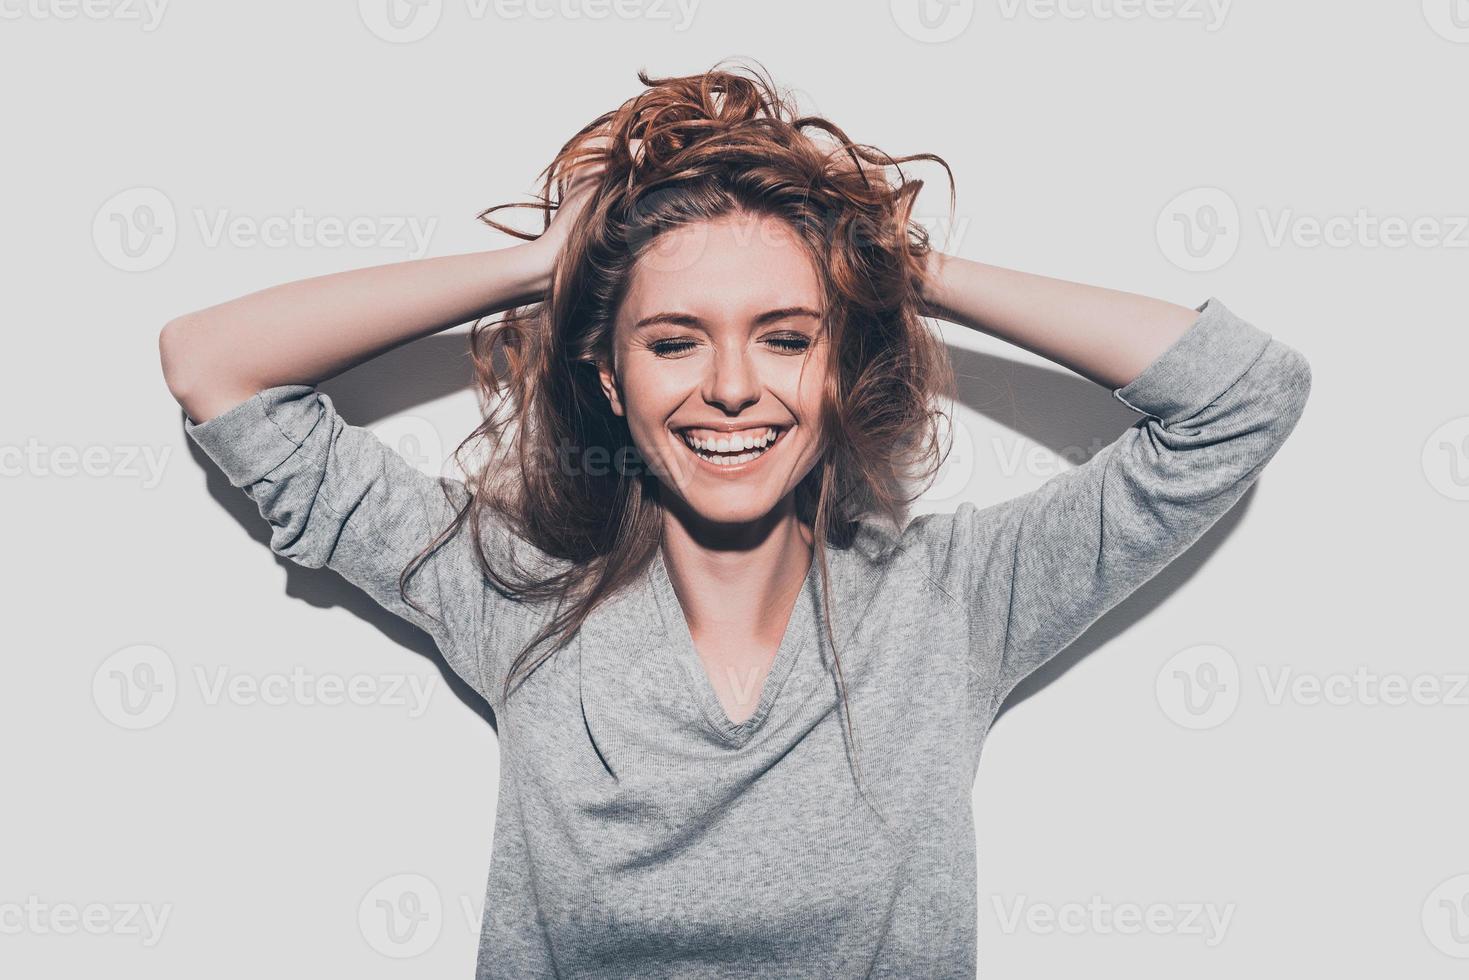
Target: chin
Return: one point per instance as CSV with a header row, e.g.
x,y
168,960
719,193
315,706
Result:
x,y
730,506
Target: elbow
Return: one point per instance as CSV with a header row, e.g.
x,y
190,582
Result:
x,y
1289,391
197,371
1286,380
1299,384
173,343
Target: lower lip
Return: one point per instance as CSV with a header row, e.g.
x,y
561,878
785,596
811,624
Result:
x,y
732,469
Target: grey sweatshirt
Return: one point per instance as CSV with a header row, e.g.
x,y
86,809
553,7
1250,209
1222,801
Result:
x,y
639,832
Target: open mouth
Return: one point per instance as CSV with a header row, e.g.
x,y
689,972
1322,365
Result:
x,y
732,448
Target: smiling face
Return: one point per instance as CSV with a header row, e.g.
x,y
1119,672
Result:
x,y
719,357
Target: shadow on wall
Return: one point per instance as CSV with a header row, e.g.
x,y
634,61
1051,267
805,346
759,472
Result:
x,y
394,382
1051,407
1065,413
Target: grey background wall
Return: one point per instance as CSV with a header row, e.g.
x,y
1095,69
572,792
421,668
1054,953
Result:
x,y
218,763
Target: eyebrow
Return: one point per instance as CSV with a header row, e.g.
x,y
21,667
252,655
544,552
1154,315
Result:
x,y
690,320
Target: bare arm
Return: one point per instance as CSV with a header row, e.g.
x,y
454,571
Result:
x,y
1105,335
306,331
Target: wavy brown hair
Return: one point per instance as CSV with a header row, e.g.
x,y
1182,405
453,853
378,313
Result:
x,y
720,143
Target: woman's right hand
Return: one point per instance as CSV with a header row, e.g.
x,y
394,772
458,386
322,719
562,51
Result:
x,y
584,180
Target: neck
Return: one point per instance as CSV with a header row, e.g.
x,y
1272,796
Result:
x,y
738,575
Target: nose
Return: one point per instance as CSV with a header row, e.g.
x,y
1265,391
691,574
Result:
x,y
733,381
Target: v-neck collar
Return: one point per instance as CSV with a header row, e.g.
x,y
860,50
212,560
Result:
x,y
679,641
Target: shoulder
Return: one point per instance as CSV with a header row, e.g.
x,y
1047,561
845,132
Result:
x,y
956,550
926,550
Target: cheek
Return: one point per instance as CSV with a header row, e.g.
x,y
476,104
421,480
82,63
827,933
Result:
x,y
650,395
803,393
807,389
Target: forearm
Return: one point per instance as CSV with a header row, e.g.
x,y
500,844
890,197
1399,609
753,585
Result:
x,y
1105,335
306,331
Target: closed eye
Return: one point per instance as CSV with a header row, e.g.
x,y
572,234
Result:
x,y
673,346
668,348
795,343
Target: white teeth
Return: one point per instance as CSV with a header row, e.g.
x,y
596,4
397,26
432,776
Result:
x,y
731,460
737,442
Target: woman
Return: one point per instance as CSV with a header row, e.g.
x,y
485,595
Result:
x,y
741,699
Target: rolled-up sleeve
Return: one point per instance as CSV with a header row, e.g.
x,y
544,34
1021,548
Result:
x,y
338,497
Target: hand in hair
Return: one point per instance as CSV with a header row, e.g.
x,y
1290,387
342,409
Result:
x,y
583,180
